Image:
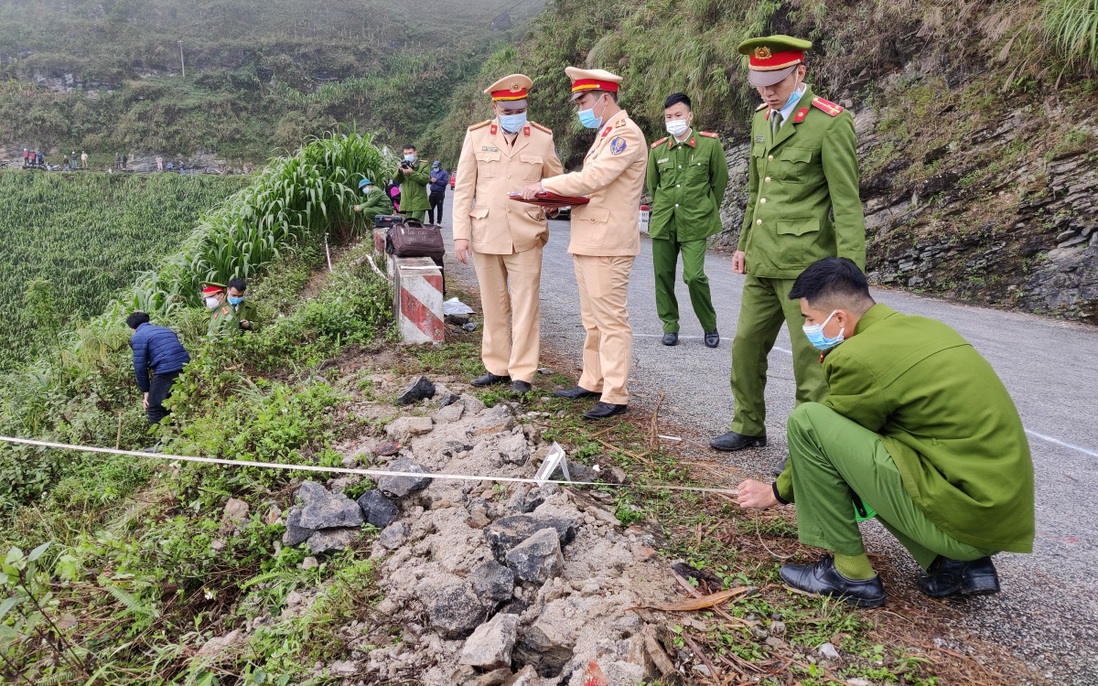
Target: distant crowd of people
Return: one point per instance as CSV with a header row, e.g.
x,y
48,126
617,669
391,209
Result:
x,y
33,158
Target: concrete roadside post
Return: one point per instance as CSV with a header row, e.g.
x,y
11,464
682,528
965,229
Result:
x,y
417,300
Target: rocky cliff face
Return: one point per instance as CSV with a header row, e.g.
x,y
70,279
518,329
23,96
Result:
x,y
1005,219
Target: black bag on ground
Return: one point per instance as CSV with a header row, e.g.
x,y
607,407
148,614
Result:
x,y
384,221
413,238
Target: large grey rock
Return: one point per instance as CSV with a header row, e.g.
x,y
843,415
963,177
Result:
x,y
507,532
393,536
323,510
378,509
492,581
419,389
538,558
454,609
547,644
404,429
327,540
295,533
490,645
515,449
400,486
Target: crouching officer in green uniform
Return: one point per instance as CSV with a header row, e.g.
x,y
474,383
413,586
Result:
x,y
412,176
687,176
802,206
375,203
916,427
223,319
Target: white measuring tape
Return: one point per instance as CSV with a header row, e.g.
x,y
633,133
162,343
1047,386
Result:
x,y
348,470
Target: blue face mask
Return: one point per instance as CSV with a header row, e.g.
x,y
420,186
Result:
x,y
235,301
409,158
817,338
511,123
588,118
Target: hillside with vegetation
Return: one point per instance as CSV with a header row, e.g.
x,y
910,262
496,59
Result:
x,y
976,123
240,79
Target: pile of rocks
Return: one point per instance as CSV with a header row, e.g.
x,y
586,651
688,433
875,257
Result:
x,y
493,583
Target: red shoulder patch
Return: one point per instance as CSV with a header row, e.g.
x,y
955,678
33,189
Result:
x,y
708,134
658,143
800,115
827,106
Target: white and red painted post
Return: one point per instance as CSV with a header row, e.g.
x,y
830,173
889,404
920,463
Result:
x,y
417,302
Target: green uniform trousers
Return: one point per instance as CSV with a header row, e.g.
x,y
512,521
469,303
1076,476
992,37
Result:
x,y
419,216
665,258
831,457
765,305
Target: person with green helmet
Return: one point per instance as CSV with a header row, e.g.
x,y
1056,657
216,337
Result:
x,y
376,203
413,175
802,206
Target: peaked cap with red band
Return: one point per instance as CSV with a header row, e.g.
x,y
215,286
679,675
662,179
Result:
x,y
772,58
212,288
510,89
586,80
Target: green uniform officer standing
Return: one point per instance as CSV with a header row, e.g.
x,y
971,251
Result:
x,y
413,175
687,176
802,205
915,426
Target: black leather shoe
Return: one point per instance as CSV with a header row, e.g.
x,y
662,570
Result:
x,y
575,393
712,339
822,578
670,338
521,387
733,441
948,577
603,410
490,379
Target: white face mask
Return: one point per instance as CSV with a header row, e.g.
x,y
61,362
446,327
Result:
x,y
677,127
212,303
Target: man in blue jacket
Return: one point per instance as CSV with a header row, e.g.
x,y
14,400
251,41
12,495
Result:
x,y
440,179
158,350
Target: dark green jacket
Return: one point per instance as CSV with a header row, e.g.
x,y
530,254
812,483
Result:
x,y
686,182
223,322
375,203
247,312
413,187
803,202
945,418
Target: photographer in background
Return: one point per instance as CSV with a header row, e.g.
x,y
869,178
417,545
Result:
x,y
440,178
413,177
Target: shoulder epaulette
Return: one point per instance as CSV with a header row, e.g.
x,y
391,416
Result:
x,y
761,107
708,134
480,125
827,106
541,127
658,143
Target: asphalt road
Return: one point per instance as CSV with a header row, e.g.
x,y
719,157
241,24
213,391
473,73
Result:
x,y
1048,610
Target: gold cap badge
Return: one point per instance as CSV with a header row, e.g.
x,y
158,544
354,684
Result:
x,y
762,53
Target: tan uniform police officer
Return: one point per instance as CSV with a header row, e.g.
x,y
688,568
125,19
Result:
x,y
505,238
605,236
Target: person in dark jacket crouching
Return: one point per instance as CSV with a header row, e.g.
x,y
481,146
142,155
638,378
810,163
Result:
x,y
155,349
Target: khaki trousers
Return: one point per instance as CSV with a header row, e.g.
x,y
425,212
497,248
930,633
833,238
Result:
x,y
608,349
509,292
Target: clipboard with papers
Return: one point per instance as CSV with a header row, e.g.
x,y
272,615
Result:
x,y
551,201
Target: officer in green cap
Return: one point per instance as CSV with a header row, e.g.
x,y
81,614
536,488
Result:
x,y
376,203
802,206
687,176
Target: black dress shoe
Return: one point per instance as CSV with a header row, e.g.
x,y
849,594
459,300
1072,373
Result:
x,y
948,577
670,338
822,578
603,410
521,387
733,441
575,393
712,339
490,379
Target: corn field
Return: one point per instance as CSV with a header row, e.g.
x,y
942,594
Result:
x,y
72,242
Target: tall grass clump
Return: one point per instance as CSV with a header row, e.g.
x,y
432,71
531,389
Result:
x,y
1072,26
